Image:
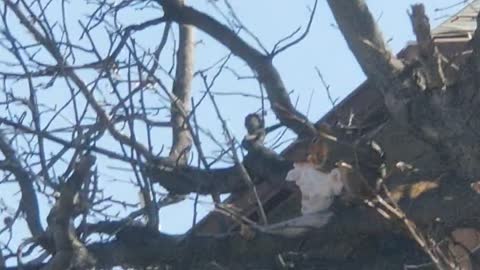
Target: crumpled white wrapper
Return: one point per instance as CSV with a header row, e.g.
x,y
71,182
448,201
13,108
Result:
x,y
318,191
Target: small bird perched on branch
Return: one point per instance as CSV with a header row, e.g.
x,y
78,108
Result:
x,y
255,125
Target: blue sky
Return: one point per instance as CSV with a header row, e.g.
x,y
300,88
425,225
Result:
x,y
269,20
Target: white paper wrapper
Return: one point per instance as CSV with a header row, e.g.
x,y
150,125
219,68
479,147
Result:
x,y
317,188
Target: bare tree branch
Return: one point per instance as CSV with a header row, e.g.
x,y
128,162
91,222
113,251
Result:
x,y
29,201
49,45
429,55
476,46
260,63
276,49
260,162
364,39
182,85
70,252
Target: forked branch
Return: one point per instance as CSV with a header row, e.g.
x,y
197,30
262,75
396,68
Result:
x,y
259,62
365,40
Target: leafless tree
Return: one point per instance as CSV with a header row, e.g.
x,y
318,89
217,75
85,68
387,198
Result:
x,y
85,96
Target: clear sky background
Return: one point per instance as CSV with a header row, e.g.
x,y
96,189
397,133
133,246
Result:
x,y
270,21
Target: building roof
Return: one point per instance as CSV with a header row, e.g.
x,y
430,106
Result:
x,y
461,24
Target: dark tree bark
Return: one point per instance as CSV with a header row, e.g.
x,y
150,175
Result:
x,y
260,63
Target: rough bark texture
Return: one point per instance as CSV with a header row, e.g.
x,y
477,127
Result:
x,y
29,201
182,139
429,56
70,251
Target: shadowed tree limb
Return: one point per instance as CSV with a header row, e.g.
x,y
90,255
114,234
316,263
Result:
x,y
476,46
346,224
182,139
430,57
70,252
261,163
29,201
139,246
